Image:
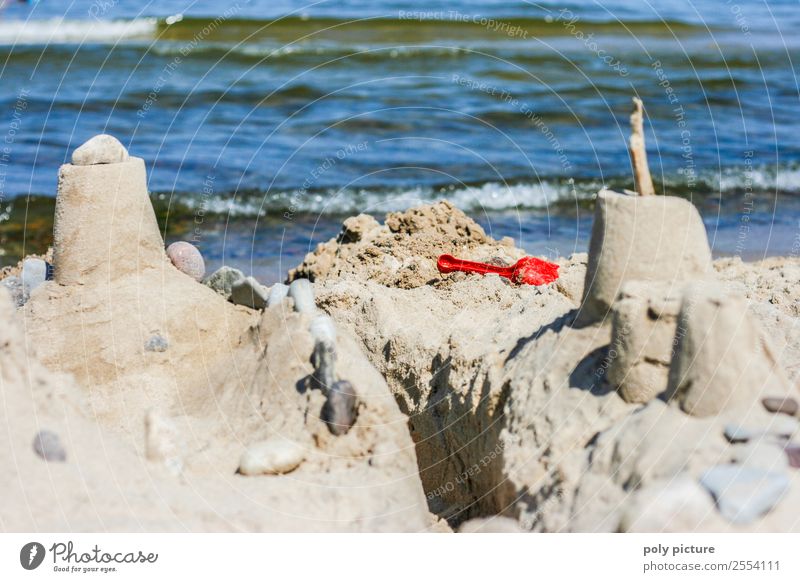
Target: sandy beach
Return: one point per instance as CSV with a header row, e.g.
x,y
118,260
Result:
x,y
649,388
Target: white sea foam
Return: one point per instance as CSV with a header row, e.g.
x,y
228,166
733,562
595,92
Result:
x,y
785,179
486,197
489,197
57,30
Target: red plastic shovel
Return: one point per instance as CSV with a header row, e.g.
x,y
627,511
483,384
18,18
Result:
x,y
527,270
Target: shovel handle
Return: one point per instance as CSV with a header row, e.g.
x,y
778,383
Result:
x,y
448,264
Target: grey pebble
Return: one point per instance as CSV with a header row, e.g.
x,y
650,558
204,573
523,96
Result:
x,y
277,294
743,494
323,358
48,446
341,408
223,280
781,405
793,454
302,293
156,343
250,293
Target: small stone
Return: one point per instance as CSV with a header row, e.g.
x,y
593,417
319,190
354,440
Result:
x,y
341,408
223,280
156,343
781,405
740,434
780,426
303,294
187,259
275,456
323,329
767,454
34,273
48,446
743,494
277,294
14,286
101,149
793,454
162,441
323,358
250,293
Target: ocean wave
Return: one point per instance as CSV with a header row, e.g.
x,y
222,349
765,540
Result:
x,y
57,30
547,194
290,29
489,197
784,180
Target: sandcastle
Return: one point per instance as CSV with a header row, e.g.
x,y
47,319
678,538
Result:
x,y
641,237
105,226
675,332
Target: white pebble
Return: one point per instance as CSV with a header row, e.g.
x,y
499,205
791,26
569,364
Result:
x,y
277,294
101,149
274,456
34,273
323,329
303,294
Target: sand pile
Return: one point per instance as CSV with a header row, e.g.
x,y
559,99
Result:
x,y
399,252
180,409
569,406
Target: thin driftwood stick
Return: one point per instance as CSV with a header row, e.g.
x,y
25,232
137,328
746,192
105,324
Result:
x,y
643,182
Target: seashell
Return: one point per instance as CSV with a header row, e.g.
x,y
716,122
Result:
x,y
48,446
275,456
101,149
277,294
340,410
303,294
187,259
